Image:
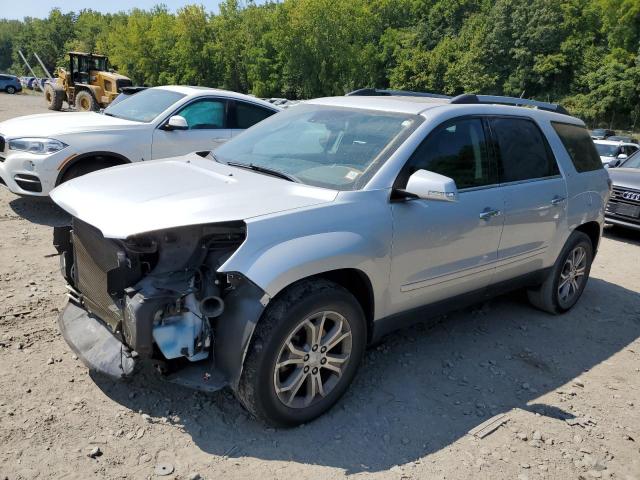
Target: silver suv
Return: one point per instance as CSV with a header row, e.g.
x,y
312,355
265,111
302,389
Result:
x,y
270,264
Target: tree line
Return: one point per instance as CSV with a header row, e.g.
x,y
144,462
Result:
x,y
582,53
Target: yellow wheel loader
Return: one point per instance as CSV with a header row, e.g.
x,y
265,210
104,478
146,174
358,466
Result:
x,y
88,84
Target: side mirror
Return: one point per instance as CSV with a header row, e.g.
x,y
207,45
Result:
x,y
623,156
176,123
428,185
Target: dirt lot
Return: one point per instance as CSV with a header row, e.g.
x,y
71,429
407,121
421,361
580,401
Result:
x,y
568,386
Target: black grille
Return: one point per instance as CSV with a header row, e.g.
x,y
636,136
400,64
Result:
x,y
121,83
94,257
619,194
624,204
2,145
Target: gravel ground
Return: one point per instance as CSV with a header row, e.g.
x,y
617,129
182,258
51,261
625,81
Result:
x,y
568,388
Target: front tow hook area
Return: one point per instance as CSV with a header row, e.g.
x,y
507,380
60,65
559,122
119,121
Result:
x,y
94,344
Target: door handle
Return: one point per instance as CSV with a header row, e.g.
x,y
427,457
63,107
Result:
x,y
557,200
488,213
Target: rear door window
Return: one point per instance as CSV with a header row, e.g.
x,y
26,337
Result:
x,y
523,152
579,146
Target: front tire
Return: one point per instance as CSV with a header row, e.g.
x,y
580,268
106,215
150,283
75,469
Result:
x,y
87,166
85,102
565,283
304,353
11,89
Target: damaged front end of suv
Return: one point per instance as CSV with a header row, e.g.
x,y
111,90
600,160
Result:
x,y
158,298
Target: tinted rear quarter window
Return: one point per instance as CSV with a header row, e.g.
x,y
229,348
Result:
x,y
248,115
522,150
579,146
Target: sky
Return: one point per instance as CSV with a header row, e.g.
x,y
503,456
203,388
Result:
x,y
12,9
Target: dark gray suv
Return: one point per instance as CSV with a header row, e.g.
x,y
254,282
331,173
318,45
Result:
x,y
9,83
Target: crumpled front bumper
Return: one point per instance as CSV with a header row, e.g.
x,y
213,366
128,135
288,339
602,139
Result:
x,y
94,344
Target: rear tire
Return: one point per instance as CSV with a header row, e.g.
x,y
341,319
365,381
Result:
x,y
304,353
87,166
11,89
565,283
85,102
54,96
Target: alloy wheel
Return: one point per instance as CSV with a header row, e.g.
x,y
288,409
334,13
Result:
x,y
312,359
572,275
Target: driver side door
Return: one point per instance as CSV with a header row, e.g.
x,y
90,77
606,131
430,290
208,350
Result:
x,y
443,249
208,128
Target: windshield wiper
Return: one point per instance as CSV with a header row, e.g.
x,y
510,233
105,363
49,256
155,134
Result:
x,y
268,171
110,114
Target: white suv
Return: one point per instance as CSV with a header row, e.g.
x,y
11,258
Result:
x,y
610,151
39,152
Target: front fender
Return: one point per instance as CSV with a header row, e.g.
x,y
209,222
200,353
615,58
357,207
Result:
x,y
283,249
270,272
281,265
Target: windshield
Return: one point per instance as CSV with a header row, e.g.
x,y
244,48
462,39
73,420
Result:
x,y
607,150
144,106
331,147
97,63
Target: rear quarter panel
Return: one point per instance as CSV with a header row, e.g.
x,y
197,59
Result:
x,y
587,192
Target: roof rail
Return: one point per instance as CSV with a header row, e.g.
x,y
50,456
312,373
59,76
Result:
x,y
518,102
466,98
380,92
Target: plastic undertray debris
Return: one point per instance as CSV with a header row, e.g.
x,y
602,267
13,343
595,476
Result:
x,y
198,377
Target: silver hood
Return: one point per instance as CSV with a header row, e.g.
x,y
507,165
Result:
x,y
188,190
625,177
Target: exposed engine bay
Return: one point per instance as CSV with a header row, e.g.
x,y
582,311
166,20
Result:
x,y
160,293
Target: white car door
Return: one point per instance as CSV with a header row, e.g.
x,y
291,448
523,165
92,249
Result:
x,y
207,121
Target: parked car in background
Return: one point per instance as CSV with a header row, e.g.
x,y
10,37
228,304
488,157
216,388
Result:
x,y
623,138
38,152
9,83
623,208
271,263
610,150
602,133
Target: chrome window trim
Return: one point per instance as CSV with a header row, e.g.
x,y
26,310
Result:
x,y
531,180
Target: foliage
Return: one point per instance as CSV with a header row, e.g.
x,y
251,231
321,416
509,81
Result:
x,y
583,53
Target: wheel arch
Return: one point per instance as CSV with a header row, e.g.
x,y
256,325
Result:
x,y
235,332
357,283
97,155
92,89
592,230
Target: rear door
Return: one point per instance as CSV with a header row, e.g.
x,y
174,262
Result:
x,y
208,122
535,196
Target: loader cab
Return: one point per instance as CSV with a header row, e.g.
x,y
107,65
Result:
x,y
82,64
